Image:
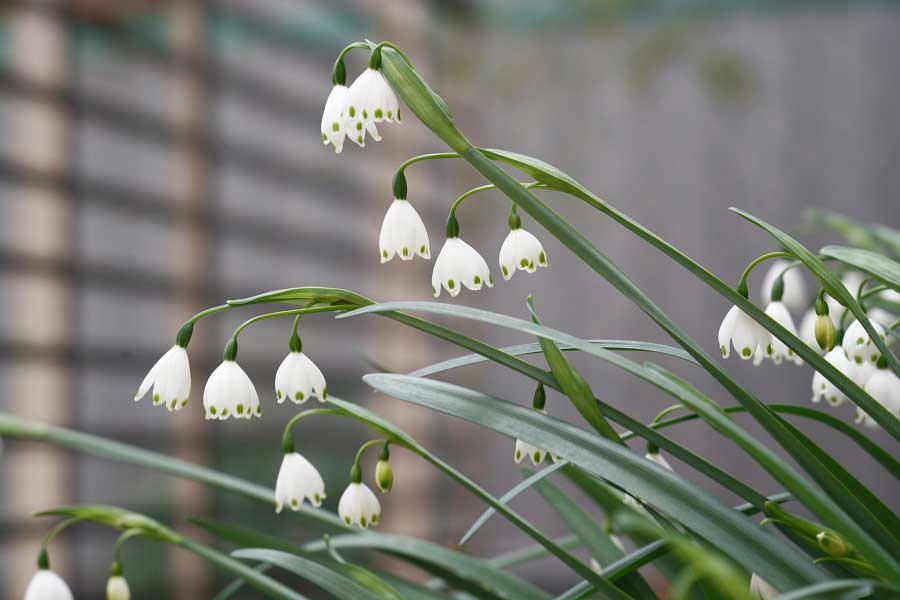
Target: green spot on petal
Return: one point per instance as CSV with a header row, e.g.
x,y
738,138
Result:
x,y
405,251
523,262
324,137
746,352
155,398
352,111
378,113
451,284
335,127
359,126
477,280
240,409
298,396
214,410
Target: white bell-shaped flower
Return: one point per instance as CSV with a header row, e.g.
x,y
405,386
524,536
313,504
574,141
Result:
x,y
859,346
298,480
659,459
884,386
822,388
749,338
359,506
524,449
521,250
334,124
794,296
779,312
760,588
298,378
859,373
457,265
369,100
403,233
170,378
47,585
229,392
117,588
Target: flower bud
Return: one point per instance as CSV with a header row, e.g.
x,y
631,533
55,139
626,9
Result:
x,y
384,474
117,588
826,336
832,544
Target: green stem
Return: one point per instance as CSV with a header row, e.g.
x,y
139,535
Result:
x,y
292,312
43,556
287,438
742,283
425,157
355,470
339,70
117,548
483,188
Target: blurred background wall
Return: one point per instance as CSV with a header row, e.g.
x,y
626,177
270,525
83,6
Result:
x,y
158,157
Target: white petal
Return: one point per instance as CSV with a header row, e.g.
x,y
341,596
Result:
x,y
726,330
47,585
403,233
794,296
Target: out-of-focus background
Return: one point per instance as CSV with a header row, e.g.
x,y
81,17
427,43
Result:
x,y
157,157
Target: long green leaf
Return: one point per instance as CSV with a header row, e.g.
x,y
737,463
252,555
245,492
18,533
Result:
x,y
843,589
505,498
331,581
482,579
13,427
557,179
593,537
534,348
530,370
620,568
401,438
695,508
574,385
864,527
886,270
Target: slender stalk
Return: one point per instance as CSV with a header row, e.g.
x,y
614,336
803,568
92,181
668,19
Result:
x,y
292,312
742,283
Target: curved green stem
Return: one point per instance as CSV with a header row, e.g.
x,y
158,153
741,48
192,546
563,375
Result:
x,y
287,438
43,556
375,58
426,157
483,188
355,471
871,291
339,70
117,548
742,283
292,312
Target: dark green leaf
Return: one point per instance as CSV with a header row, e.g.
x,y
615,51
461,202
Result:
x,y
884,269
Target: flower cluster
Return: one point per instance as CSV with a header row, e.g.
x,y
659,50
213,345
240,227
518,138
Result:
x,y
354,111
857,356
229,391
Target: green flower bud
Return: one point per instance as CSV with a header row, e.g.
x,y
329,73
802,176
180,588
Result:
x,y
826,336
832,544
384,476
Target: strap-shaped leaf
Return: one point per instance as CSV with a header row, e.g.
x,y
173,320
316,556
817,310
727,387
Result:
x,y
593,537
333,582
534,348
706,515
505,498
886,270
574,385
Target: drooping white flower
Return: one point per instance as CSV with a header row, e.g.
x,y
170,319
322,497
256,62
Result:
x,y
459,264
229,392
524,449
298,378
794,295
334,124
748,337
47,585
369,100
521,250
884,386
760,588
359,506
808,330
822,388
658,458
403,233
170,378
298,480
117,588
859,373
859,346
779,312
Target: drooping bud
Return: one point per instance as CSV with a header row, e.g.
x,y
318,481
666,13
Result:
x,y
116,586
832,544
384,473
399,185
540,398
826,335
